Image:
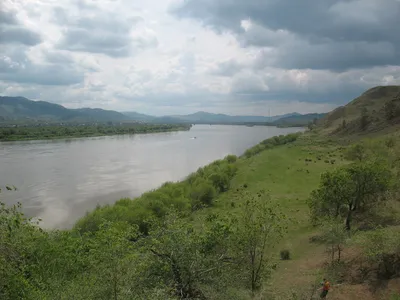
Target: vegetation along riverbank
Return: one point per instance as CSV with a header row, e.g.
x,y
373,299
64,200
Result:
x,y
18,133
267,225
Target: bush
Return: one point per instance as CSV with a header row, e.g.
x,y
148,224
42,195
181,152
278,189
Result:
x,y
203,194
271,142
231,158
382,247
285,255
220,181
395,296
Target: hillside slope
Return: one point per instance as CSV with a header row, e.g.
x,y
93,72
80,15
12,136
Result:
x,y
22,109
376,109
298,120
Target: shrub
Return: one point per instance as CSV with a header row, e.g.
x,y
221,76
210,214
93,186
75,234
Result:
x,y
382,247
231,158
285,255
203,193
220,181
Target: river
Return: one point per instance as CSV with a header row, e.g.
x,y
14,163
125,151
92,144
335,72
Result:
x,y
59,180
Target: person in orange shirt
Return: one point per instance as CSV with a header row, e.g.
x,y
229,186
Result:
x,y
326,285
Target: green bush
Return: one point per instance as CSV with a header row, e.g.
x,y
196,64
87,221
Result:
x,y
203,194
270,143
285,255
231,158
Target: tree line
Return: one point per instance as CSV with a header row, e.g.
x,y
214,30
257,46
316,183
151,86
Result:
x,y
74,131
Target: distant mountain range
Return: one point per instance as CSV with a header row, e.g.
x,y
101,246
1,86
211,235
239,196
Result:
x,y
24,110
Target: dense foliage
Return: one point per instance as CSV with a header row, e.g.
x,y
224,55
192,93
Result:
x,y
272,142
74,131
197,191
357,203
158,246
176,259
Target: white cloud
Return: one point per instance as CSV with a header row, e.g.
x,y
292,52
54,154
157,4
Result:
x,y
137,55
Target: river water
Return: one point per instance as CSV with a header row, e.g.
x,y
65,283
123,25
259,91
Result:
x,y
60,180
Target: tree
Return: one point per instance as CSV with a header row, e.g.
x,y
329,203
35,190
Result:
x,y
364,119
391,110
202,194
184,258
357,152
332,195
220,181
110,258
381,247
256,231
335,236
355,186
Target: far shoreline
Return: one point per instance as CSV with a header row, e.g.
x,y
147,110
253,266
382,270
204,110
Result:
x,y
53,132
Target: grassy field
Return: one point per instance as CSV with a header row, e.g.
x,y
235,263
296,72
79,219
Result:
x,y
289,173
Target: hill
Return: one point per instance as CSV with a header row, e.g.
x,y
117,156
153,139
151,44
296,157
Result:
x,y
202,117
299,120
375,110
138,116
22,109
205,117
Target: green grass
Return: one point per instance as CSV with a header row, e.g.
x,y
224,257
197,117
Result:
x,y
284,174
288,178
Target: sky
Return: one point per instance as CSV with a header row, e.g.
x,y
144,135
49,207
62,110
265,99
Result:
x,y
161,57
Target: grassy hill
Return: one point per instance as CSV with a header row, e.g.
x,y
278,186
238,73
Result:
x,y
375,110
298,120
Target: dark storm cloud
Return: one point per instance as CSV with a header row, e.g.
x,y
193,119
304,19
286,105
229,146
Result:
x,y
12,32
7,18
100,32
16,67
19,35
83,40
362,32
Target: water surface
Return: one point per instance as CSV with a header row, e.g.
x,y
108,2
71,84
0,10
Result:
x,y
60,180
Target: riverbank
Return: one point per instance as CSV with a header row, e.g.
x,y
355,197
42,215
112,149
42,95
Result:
x,y
193,237
49,132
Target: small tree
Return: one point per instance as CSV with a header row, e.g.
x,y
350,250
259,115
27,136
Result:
x,y
184,258
256,231
332,195
365,119
202,194
357,152
335,236
355,187
109,253
391,110
382,247
370,180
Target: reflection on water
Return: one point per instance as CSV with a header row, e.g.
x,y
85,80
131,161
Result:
x,y
60,180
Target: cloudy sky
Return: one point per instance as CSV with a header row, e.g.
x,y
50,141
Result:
x,y
181,56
